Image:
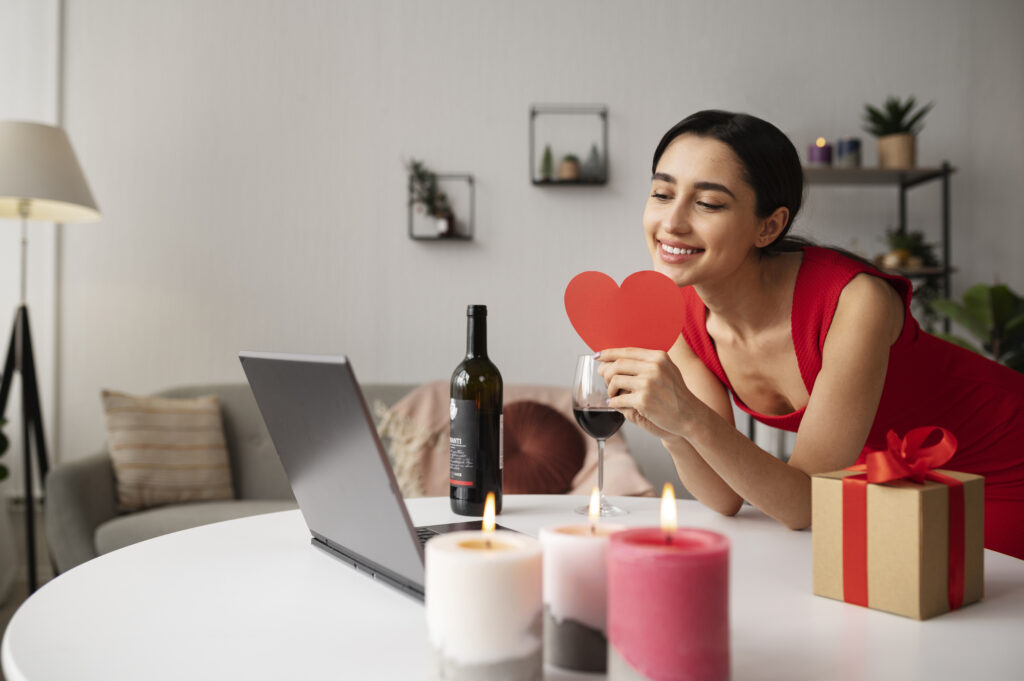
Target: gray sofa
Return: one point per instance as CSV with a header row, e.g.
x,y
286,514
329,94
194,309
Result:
x,y
81,517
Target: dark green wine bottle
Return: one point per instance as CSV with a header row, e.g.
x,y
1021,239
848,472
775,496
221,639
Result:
x,y
475,433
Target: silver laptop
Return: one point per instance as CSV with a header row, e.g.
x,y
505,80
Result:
x,y
337,467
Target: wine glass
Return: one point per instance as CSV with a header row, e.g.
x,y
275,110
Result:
x,y
590,407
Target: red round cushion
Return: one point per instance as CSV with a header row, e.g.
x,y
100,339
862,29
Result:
x,y
543,449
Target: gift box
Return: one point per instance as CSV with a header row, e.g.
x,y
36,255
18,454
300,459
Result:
x,y
899,534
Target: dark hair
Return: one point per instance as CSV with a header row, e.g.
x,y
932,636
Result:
x,y
770,161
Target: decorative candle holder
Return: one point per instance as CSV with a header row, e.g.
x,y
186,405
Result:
x,y
483,605
575,595
848,153
819,153
668,605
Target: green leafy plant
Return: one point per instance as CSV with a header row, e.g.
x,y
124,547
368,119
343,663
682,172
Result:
x,y
994,315
918,253
424,189
3,448
547,164
895,117
913,243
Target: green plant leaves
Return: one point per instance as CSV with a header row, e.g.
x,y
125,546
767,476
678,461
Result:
x,y
964,316
995,316
893,119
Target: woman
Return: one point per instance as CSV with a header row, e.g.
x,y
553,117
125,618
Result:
x,y
806,339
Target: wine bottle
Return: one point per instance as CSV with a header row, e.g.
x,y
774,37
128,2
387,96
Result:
x,y
475,432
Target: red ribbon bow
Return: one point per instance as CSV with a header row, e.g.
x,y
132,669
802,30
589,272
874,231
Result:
x,y
903,459
907,458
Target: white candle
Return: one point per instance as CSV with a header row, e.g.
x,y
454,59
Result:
x,y
574,594
483,605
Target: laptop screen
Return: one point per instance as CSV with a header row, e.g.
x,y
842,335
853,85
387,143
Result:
x,y
325,437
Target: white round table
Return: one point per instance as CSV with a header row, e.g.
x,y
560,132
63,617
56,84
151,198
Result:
x,y
252,599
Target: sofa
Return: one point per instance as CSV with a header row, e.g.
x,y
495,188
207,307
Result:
x,y
82,519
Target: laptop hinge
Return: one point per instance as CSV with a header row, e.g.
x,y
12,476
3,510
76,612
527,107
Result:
x,y
372,569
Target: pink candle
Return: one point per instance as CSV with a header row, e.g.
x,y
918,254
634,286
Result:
x,y
668,605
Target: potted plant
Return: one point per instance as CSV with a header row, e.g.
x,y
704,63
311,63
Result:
x,y
593,169
569,169
908,254
896,125
547,164
995,316
427,197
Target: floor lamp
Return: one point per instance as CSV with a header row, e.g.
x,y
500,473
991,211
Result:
x,y
40,179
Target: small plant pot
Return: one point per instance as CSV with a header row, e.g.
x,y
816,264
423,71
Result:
x,y
569,170
445,224
897,151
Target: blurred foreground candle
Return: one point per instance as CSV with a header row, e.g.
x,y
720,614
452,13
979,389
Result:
x,y
668,603
819,153
483,603
574,592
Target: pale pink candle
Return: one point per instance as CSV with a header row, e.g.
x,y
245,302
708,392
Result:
x,y
668,605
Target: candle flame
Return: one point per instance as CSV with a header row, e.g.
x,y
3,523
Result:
x,y
820,142
488,524
668,508
594,512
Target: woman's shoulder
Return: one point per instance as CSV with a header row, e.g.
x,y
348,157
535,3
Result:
x,y
830,280
871,298
827,272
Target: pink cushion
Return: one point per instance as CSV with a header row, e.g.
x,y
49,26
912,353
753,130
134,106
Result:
x,y
543,449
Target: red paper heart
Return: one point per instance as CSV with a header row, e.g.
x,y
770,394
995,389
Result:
x,y
646,312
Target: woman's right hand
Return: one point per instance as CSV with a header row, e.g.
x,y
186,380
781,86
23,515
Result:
x,y
648,388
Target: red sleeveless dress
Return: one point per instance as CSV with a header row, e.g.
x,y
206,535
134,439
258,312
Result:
x,y
929,383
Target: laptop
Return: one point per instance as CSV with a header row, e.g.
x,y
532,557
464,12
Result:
x,y
339,471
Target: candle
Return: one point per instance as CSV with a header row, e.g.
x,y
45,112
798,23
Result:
x,y
483,604
848,153
574,592
819,153
668,603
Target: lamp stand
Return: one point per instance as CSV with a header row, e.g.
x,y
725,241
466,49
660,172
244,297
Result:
x,y
20,359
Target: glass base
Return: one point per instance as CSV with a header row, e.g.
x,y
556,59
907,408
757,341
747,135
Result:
x,y
607,510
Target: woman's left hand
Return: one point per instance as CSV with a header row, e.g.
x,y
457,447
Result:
x,y
648,388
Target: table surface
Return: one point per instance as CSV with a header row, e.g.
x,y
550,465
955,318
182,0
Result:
x,y
252,599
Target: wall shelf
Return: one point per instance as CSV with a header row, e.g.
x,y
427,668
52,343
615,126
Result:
x,y
872,176
574,129
903,180
461,191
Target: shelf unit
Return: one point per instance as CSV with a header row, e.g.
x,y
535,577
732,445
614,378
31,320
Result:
x,y
466,234
904,180
570,110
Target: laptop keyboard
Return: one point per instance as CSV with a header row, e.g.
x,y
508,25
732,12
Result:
x,y
425,533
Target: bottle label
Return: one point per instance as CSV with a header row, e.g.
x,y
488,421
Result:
x,y
464,442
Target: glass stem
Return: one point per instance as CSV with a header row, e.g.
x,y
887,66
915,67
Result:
x,y
600,469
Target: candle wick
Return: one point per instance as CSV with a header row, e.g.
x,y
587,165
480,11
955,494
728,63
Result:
x,y
592,528
488,543
668,539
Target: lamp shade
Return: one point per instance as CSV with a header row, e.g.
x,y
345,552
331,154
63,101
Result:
x,y
39,171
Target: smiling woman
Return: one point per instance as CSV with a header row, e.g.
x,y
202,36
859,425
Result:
x,y
806,339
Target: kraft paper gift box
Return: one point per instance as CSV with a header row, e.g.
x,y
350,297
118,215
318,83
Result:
x,y
892,550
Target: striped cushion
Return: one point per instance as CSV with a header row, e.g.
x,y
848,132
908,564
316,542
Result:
x,y
166,450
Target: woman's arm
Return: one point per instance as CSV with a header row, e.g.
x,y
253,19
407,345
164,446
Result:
x,y
842,406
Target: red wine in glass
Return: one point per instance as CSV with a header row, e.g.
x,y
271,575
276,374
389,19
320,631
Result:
x,y
596,418
599,424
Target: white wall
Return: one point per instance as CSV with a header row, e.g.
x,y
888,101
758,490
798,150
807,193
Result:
x,y
247,156
28,91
